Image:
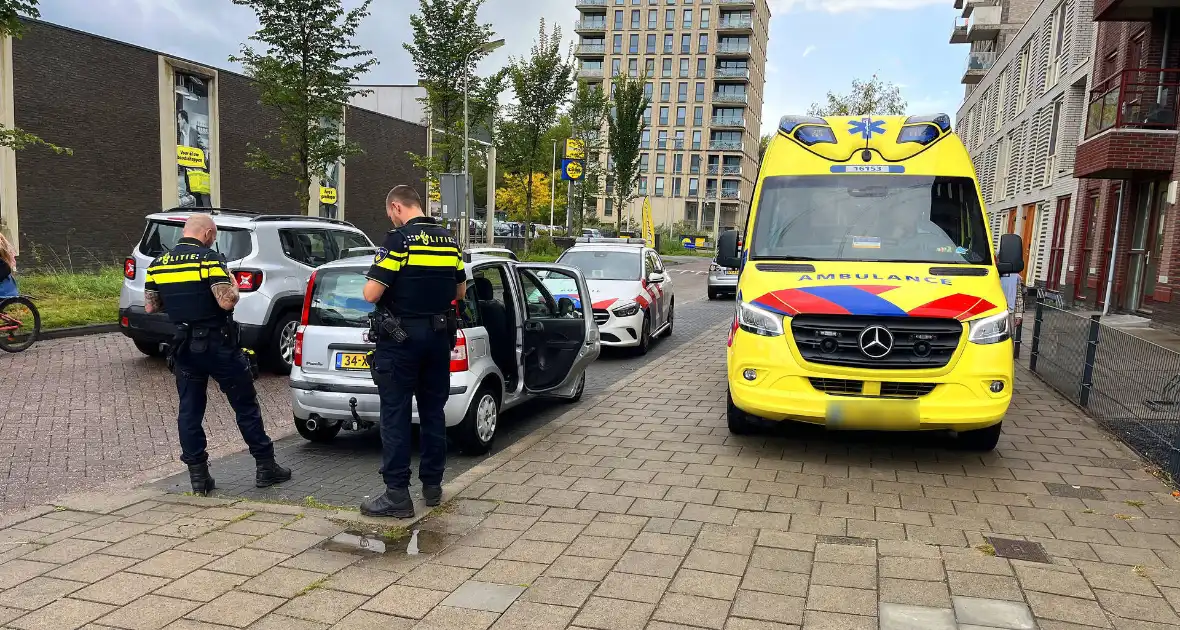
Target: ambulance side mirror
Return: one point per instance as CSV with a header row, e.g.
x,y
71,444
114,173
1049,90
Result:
x,y
1010,258
728,250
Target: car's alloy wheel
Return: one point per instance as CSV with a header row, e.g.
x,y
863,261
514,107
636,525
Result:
x,y
281,353
486,415
474,435
287,342
644,335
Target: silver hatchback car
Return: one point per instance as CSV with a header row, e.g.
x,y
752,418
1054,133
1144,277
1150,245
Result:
x,y
722,281
526,330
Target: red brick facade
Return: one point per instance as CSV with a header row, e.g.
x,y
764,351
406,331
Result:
x,y
1141,161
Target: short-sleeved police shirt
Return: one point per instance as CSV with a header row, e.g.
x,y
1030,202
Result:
x,y
419,264
184,279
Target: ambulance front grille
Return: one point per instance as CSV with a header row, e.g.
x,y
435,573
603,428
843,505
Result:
x,y
918,343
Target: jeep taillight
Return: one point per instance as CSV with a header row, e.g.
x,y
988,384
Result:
x,y
297,358
129,268
247,279
459,354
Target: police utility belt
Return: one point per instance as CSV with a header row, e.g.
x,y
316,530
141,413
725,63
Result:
x,y
195,337
385,326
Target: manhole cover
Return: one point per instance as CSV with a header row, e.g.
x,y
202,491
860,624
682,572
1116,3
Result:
x,y
846,540
1118,462
1075,492
1019,550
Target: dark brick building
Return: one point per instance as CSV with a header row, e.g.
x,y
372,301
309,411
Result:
x,y
118,107
1128,165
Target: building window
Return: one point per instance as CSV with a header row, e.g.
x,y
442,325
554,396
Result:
x,y
696,144
644,161
675,186
704,18
670,19
693,186
660,186
652,18
698,116
702,69
610,204
665,91
643,185
664,115
694,162
635,19
682,92
1055,56
684,67
668,41
686,43
703,43
649,68
633,48
647,90
687,22
647,115
662,139
618,44
1022,81
678,164
633,67
645,139
700,95
618,20
193,186
667,69
616,67
662,160
1051,159
651,44
681,112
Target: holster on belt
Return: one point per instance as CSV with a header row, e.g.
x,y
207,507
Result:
x,y
179,338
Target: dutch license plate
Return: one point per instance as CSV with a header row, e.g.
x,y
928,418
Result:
x,y
873,415
352,361
731,272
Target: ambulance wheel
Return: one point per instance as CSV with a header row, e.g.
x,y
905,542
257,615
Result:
x,y
984,439
738,420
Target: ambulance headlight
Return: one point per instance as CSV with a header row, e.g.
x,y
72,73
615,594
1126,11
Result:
x,y
988,330
757,320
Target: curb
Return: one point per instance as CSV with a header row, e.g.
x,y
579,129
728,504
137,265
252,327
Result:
x,y
79,331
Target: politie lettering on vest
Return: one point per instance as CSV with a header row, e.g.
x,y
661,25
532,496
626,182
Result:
x,y
192,285
416,280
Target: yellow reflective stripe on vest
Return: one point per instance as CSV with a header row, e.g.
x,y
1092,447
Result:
x,y
213,272
176,277
448,249
430,260
390,263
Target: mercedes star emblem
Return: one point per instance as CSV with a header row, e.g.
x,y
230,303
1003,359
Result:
x,y
876,342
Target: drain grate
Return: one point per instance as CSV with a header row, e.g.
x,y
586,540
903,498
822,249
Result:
x,y
1075,492
1019,550
846,540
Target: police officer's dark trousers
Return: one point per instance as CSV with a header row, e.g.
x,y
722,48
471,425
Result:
x,y
417,368
225,363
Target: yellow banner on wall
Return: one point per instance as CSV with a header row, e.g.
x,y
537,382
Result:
x,y
649,227
191,157
198,182
327,195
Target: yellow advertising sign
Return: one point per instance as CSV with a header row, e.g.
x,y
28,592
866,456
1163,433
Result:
x,y
198,182
649,228
191,157
327,195
575,149
573,170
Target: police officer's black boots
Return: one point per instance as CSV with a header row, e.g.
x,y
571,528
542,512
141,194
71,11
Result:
x,y
201,480
432,494
269,473
395,503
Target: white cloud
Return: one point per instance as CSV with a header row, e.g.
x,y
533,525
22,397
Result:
x,y
843,6
808,50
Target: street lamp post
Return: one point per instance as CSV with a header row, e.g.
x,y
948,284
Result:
x,y
487,47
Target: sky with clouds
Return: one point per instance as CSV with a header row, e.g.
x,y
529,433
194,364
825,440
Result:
x,y
815,45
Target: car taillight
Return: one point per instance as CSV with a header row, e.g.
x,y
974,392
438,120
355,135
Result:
x,y
247,279
459,354
129,268
297,357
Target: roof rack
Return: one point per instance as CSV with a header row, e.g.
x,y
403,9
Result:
x,y
594,240
299,217
212,211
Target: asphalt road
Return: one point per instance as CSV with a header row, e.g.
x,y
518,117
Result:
x,y
345,471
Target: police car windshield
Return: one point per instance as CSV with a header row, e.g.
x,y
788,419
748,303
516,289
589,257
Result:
x,y
604,265
886,218
338,299
162,236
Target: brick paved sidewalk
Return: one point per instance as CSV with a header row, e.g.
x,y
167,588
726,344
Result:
x,y
642,512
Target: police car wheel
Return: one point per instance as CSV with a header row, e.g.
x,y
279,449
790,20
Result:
x,y
474,435
671,318
984,439
644,335
320,433
739,421
281,351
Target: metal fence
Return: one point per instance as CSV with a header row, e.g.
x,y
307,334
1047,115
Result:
x,y
1130,386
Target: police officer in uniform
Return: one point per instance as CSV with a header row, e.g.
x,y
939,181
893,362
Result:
x,y
415,277
193,287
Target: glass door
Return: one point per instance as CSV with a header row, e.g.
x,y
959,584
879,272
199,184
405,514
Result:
x,y
1137,255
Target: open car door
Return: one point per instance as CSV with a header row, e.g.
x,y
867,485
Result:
x,y
560,336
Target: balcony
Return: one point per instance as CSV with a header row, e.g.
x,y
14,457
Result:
x,y
729,97
978,64
984,24
745,24
590,4
593,50
725,145
590,73
971,5
590,26
1131,125
959,34
1128,10
728,121
733,48
735,3
731,194
724,169
731,73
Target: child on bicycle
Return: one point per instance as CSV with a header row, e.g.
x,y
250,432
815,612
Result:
x,y
7,268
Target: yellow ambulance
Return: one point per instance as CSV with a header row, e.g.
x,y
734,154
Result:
x,y
869,292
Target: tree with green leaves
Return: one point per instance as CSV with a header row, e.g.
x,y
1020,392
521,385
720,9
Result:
x,y
763,144
11,26
541,83
305,73
448,43
587,120
624,134
866,97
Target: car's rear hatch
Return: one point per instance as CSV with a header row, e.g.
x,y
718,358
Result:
x,y
333,344
159,237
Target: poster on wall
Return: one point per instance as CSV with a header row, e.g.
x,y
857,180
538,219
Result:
x,y
329,207
192,141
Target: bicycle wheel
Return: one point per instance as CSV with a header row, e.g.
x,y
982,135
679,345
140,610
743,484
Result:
x,y
20,324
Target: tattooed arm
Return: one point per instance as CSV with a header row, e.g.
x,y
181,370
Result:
x,y
226,294
224,288
152,302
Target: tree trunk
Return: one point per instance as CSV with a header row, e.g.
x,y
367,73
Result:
x,y
528,210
